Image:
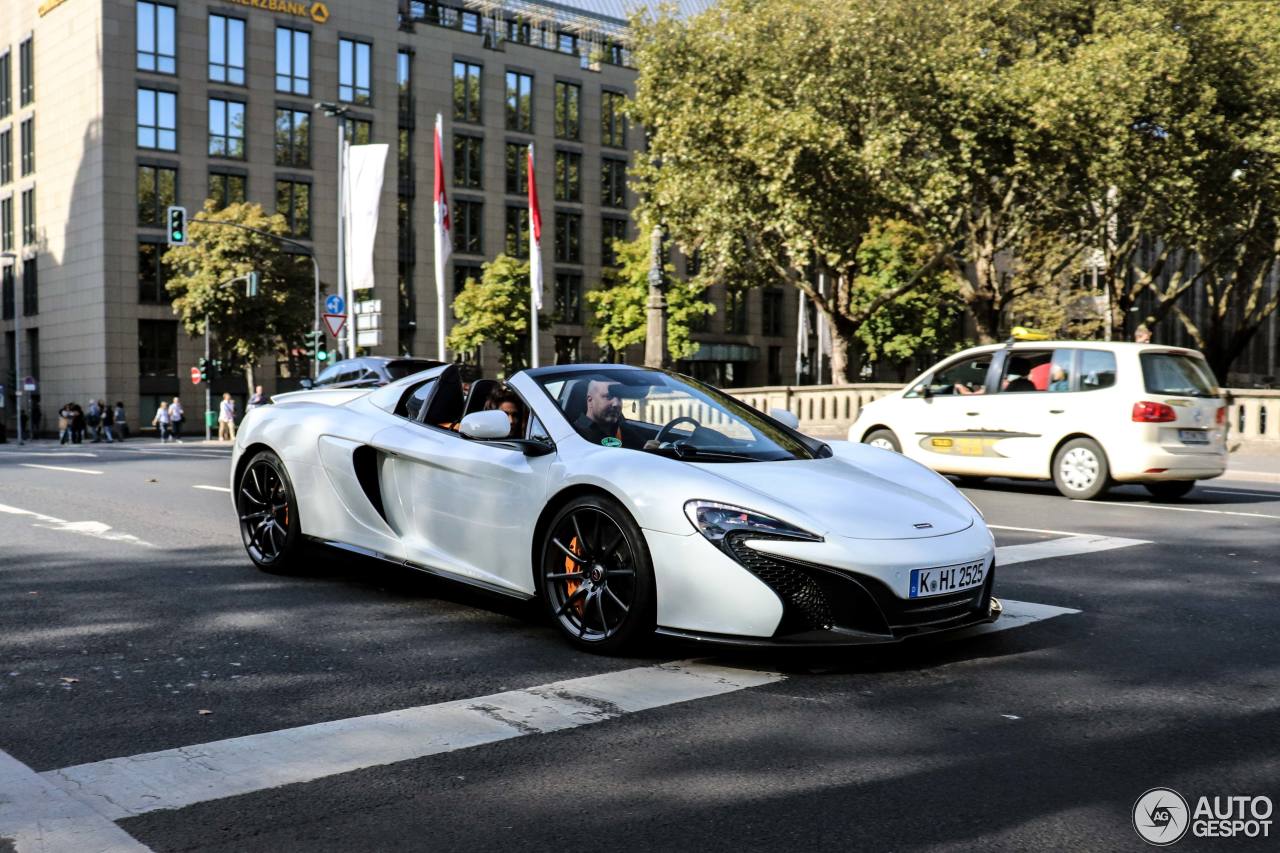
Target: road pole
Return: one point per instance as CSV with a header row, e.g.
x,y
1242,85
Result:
x,y
348,338
208,397
315,266
18,308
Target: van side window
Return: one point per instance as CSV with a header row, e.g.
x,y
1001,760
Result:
x,y
967,376
1037,370
1097,369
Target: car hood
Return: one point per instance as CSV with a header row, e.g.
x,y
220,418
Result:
x,y
844,498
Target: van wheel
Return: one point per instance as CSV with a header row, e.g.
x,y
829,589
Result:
x,y
1080,469
883,439
1167,490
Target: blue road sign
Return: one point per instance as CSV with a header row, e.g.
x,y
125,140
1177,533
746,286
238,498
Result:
x,y
335,304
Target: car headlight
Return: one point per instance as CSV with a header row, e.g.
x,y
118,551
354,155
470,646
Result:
x,y
716,521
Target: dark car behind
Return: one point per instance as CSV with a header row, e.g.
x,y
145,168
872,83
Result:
x,y
370,371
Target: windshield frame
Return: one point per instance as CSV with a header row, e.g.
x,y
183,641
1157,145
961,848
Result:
x,y
754,420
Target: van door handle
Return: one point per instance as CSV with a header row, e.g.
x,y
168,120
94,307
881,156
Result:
x,y
972,414
1056,411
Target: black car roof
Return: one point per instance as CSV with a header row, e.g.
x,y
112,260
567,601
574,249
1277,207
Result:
x,y
537,372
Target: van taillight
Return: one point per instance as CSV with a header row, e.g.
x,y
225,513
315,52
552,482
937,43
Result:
x,y
1221,417
1153,413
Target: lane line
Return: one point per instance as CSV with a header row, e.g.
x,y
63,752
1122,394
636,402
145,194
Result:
x,y
36,815
1017,614
59,468
213,488
1007,555
54,454
1180,509
170,779
96,529
1036,530
1275,495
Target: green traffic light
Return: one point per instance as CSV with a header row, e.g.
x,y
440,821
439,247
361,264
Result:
x,y
321,355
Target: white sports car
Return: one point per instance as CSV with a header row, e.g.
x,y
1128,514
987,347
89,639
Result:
x,y
628,500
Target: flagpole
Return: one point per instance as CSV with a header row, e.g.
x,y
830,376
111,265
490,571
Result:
x,y
801,337
441,238
535,262
822,289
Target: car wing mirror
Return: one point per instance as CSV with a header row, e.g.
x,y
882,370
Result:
x,y
927,391
785,417
486,425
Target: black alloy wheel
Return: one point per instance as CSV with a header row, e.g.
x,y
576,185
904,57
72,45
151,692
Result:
x,y
268,514
596,576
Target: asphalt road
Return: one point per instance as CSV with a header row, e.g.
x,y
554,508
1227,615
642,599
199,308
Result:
x,y
127,608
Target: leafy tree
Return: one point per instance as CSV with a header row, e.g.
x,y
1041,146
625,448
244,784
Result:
x,y
620,307
246,328
495,310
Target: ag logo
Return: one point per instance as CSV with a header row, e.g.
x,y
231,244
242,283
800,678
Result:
x,y
1161,816
319,13
611,441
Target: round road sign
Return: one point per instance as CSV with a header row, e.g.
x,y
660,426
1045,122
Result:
x,y
195,376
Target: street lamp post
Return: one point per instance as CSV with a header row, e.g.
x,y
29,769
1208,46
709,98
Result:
x,y
339,112
655,348
17,342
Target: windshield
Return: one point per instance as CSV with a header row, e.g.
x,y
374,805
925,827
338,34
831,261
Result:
x,y
1175,373
407,367
657,412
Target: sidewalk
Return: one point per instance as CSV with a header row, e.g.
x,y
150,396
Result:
x,y
1251,463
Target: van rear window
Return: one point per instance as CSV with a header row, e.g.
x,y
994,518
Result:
x,y
1175,373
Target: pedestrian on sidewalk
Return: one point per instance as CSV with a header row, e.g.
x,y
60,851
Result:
x,y
122,425
227,419
94,419
77,423
161,421
258,399
176,418
108,421
65,414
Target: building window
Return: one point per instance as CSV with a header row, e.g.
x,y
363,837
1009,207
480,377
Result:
x,y
354,61
153,272
26,73
463,272
404,155
28,217
469,227
293,202
226,129
158,347
466,92
6,156
735,311
613,124
404,228
613,182
226,50
157,38
567,349
519,102
30,291
568,176
6,292
293,61
468,161
470,22
226,189
517,231
771,312
568,123
6,83
6,224
568,297
293,138
775,366
519,31
28,132
157,190
157,120
517,168
568,238
568,43
612,230
358,131
404,82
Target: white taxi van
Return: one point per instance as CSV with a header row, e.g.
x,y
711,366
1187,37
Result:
x,y
1086,414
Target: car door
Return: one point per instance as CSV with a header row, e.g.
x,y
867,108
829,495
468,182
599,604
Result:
x,y
1028,410
464,507
941,425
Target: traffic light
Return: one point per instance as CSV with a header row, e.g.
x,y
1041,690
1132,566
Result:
x,y
177,219
216,364
316,347
203,364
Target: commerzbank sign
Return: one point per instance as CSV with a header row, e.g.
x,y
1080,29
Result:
x,y
317,11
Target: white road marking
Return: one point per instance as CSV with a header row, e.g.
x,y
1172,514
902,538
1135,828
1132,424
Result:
x,y
36,815
59,468
1007,555
122,787
96,529
1036,530
1179,509
1016,615
213,488
1275,495
54,454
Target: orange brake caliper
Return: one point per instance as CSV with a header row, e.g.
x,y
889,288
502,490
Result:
x,y
570,566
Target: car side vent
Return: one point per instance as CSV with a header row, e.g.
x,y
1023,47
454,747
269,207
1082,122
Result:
x,y
365,459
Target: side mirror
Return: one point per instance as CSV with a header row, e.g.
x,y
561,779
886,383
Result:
x,y
486,425
785,417
306,384
927,391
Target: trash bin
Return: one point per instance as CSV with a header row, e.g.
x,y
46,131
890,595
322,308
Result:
x,y
211,419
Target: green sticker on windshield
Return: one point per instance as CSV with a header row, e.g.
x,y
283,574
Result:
x,y
611,441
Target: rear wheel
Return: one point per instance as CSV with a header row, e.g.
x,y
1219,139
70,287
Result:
x,y
1080,469
268,514
1167,490
884,439
596,576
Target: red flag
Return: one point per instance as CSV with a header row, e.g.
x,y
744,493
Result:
x,y
444,229
535,238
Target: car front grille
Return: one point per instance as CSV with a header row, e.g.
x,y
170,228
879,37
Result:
x,y
822,598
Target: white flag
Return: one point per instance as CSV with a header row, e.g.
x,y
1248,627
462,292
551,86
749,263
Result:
x,y
535,238
365,166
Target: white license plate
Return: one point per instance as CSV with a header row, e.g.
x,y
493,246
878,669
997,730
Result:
x,y
940,581
1193,436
